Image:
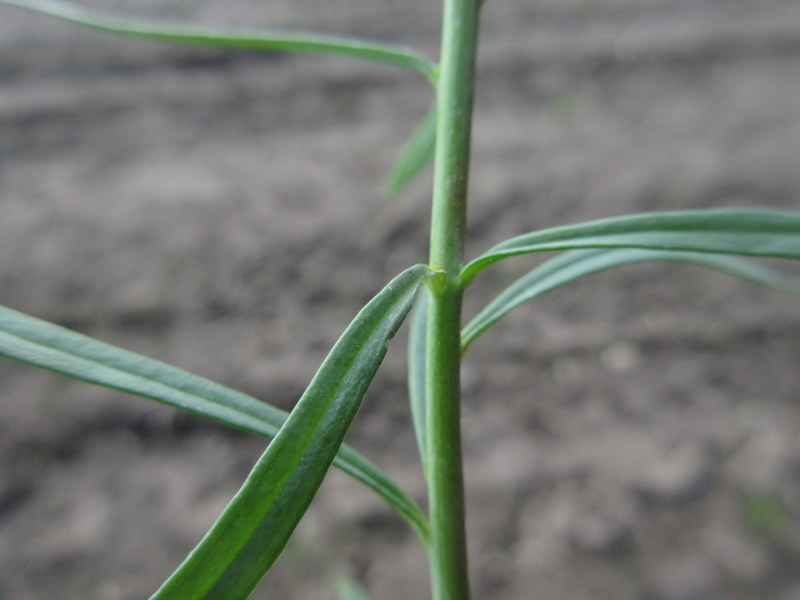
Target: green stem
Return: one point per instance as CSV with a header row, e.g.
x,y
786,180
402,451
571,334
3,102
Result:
x,y
448,550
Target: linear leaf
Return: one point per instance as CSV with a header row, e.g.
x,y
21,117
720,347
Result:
x,y
750,232
254,528
579,263
267,39
48,346
417,351
416,154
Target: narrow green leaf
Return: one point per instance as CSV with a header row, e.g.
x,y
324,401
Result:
x,y
347,589
417,351
268,39
48,346
256,525
363,470
748,232
415,156
579,263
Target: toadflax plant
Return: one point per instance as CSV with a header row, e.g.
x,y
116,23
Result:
x,y
252,531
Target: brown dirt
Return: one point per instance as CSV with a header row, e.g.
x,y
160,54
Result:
x,y
631,437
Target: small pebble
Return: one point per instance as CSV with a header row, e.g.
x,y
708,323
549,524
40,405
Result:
x,y
681,474
620,357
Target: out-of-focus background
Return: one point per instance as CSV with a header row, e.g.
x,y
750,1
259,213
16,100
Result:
x,y
633,436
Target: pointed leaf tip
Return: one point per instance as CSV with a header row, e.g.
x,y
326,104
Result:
x,y
415,155
254,528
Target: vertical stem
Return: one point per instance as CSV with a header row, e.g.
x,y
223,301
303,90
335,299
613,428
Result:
x,y
448,551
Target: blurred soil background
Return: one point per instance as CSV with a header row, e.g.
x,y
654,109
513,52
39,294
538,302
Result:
x,y
633,436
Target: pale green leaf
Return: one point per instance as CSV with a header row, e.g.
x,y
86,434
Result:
x,y
48,346
573,265
747,232
267,39
415,155
254,528
347,589
417,353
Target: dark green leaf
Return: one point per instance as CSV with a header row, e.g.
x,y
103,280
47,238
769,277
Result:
x,y
579,263
48,346
751,232
253,530
269,39
416,154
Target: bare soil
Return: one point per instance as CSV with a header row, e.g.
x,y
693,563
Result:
x,y
633,436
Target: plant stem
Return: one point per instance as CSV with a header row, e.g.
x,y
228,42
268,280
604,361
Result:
x,y
448,551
